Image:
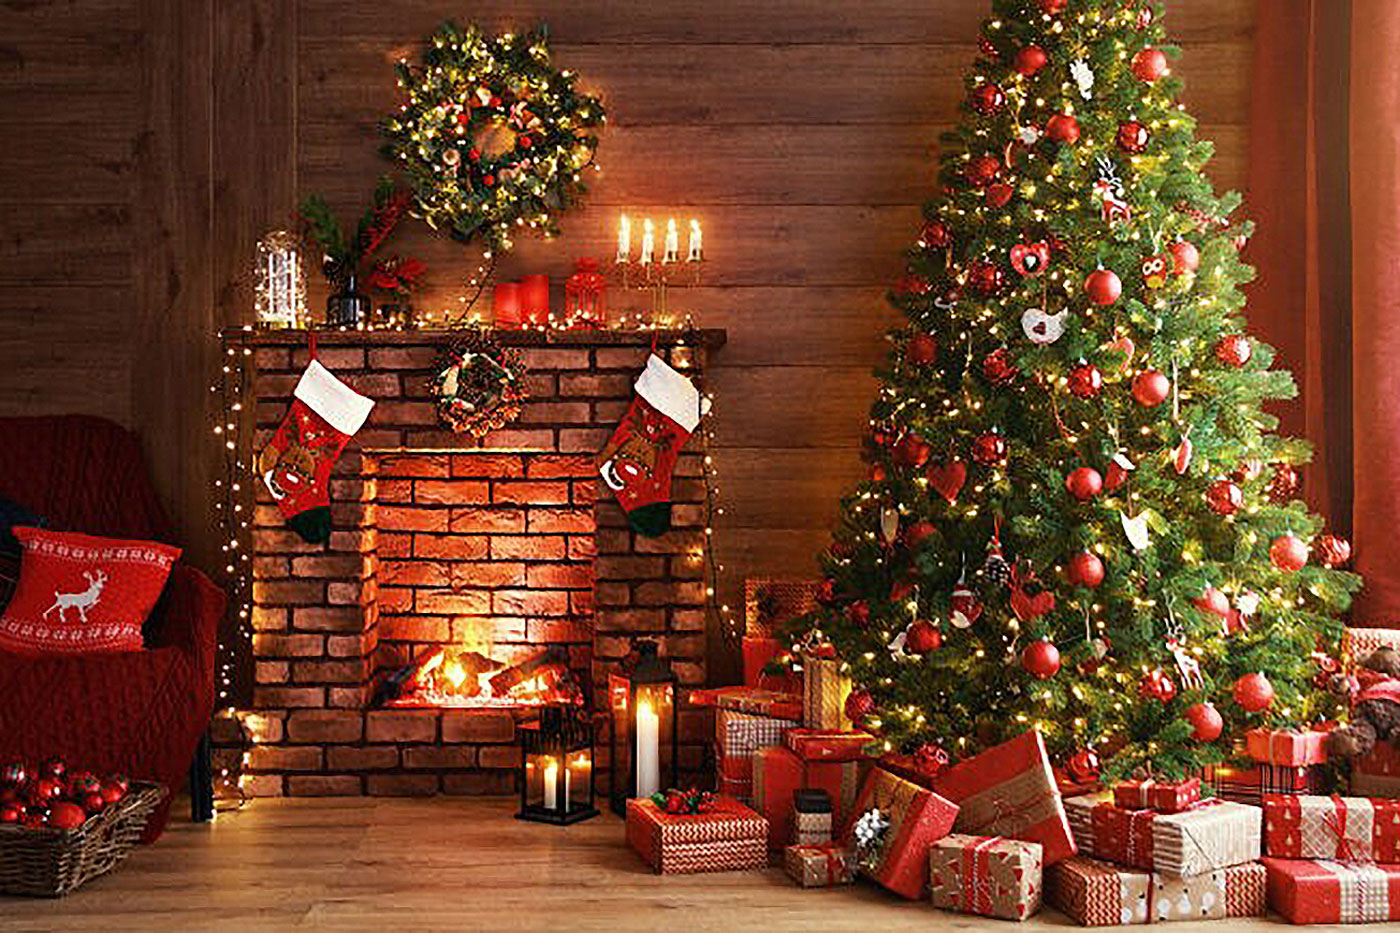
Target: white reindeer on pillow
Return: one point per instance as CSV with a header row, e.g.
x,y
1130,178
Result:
x,y
80,601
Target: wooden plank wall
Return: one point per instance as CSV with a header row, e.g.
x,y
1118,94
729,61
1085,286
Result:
x,y
802,133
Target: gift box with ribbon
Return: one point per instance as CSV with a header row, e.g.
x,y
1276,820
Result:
x,y
757,654
753,700
1209,835
1287,746
1345,828
1358,643
738,735
824,692
1307,891
727,837
828,745
1162,796
820,866
1097,894
1377,773
1010,790
988,875
778,773
1249,785
896,824
811,817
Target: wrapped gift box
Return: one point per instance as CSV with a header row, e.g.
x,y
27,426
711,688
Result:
x,y
1286,746
987,875
842,780
1306,891
740,790
778,773
771,604
1377,774
1249,785
757,654
820,866
1162,796
1010,790
753,700
730,837
1096,894
916,817
1346,828
824,692
1212,834
1358,643
811,817
828,745
739,735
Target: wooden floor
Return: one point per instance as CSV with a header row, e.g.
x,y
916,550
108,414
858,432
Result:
x,y
453,864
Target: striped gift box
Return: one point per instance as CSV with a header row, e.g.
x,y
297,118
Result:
x,y
1097,894
731,837
1211,835
1248,785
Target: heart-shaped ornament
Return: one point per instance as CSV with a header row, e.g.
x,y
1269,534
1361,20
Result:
x,y
1029,607
948,478
1136,530
1042,328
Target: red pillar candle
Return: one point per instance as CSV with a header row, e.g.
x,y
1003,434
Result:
x,y
534,299
505,305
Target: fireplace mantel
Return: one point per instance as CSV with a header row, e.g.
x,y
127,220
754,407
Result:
x,y
315,608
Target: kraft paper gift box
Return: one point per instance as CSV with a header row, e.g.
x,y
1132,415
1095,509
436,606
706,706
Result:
x,y
753,700
1377,773
1162,796
1097,894
1010,790
820,866
1306,891
914,818
1250,784
824,692
828,745
1344,828
730,837
1287,746
1212,834
811,817
784,601
988,875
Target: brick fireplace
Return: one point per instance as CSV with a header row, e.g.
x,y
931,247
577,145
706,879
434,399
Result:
x,y
505,548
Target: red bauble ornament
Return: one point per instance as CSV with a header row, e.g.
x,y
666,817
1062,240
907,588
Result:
x,y
55,768
1234,350
983,170
1288,552
45,789
1103,287
1117,473
1041,658
1151,388
1186,257
912,451
930,759
1030,258
998,369
1150,65
1085,569
917,533
922,637
34,817
1132,136
82,784
1213,601
1031,59
1085,380
1254,692
858,612
1284,485
1083,766
93,803
923,349
859,704
1156,685
988,99
826,591
11,813
1084,483
1052,7
1333,551
65,815
936,235
999,194
1206,722
1063,128
985,278
1224,497
989,449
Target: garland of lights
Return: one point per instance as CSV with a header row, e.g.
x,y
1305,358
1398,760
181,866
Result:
x,y
491,135
479,386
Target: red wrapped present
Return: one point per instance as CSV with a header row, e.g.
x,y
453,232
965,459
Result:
x,y
757,654
740,790
1209,835
1249,785
827,745
1358,643
897,822
1306,891
1377,773
1162,796
1346,828
986,875
777,775
824,692
842,780
820,866
771,604
1097,894
729,837
1286,746
750,700
1010,791
739,735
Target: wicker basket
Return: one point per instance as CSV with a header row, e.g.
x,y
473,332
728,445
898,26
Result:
x,y
52,862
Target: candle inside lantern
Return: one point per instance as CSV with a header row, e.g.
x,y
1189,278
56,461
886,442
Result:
x,y
694,250
648,241
648,750
551,776
673,242
624,239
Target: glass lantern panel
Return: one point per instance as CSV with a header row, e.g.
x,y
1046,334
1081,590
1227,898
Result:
x,y
579,784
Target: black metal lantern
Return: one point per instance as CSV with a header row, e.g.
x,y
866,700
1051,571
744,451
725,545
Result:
x,y
557,781
645,750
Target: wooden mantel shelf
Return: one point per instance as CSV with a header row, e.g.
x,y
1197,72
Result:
x,y
711,338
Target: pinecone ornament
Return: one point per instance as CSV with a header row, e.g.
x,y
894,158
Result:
x,y
996,569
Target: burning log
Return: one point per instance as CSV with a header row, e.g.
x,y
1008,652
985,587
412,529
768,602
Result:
x,y
512,677
398,682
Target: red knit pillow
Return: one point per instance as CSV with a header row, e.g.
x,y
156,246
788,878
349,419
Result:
x,y
79,594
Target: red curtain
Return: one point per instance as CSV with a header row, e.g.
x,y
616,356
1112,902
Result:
x,y
1324,188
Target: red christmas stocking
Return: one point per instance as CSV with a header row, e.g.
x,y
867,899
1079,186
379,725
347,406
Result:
x,y
296,463
637,461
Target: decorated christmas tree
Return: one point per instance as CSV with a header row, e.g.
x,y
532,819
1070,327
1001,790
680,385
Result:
x,y
1078,516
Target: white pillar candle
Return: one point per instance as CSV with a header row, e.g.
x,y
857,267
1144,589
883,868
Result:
x,y
624,239
551,775
694,248
673,242
648,750
648,241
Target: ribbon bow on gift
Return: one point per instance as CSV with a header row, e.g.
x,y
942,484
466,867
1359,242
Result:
x,y
1336,822
691,802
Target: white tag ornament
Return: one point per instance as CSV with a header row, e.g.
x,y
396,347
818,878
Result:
x,y
1042,328
1136,530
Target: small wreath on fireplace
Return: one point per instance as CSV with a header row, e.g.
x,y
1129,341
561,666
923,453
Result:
x,y
479,386
491,134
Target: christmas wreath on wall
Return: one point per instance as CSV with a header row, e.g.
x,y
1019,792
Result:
x,y
491,135
479,386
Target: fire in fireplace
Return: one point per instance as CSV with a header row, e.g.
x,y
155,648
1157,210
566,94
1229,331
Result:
x,y
456,676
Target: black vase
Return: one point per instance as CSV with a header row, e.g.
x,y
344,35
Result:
x,y
347,306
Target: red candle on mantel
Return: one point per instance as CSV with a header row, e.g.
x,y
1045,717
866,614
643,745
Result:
x,y
505,305
534,299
